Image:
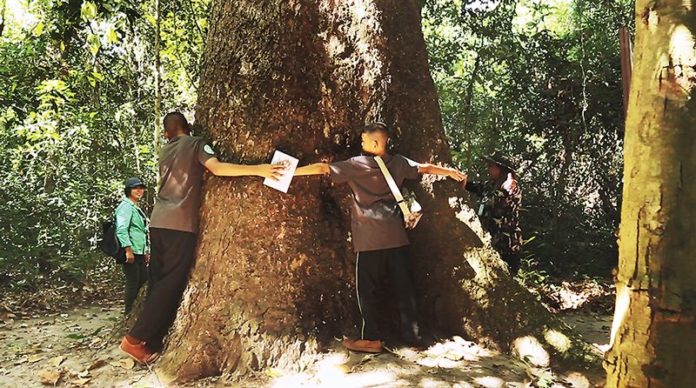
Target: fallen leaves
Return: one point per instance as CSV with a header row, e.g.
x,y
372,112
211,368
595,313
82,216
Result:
x,y
83,375
21,360
125,363
35,358
81,382
128,363
49,376
273,372
57,348
56,361
53,295
97,364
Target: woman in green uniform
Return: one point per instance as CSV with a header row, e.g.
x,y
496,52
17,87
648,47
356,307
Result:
x,y
131,231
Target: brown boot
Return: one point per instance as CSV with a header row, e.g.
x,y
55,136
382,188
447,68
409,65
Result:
x,y
137,350
366,346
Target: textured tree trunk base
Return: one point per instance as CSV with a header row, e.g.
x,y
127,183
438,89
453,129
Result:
x,y
653,337
121,327
464,290
273,280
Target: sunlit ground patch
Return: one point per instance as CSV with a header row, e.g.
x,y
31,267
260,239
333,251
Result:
x,y
577,380
558,340
529,348
490,382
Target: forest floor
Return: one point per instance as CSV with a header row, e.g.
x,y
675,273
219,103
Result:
x,y
72,346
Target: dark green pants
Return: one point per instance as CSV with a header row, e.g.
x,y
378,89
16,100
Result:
x,y
136,276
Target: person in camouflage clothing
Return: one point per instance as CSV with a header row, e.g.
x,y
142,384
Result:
x,y
499,209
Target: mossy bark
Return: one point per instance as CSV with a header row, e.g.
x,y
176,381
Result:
x,y
273,280
654,331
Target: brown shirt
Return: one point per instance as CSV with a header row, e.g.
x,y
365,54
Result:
x,y
181,169
376,220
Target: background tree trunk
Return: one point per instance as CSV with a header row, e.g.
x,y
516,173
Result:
x,y
654,330
273,281
157,130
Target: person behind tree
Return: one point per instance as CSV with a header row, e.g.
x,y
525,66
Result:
x,y
174,227
131,231
378,232
500,198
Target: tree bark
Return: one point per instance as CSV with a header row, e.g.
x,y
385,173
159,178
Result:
x,y
654,329
157,130
273,280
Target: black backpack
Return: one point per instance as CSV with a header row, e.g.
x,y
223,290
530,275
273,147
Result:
x,y
109,243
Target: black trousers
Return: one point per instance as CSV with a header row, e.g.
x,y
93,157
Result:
x,y
372,268
136,275
171,257
513,262
509,253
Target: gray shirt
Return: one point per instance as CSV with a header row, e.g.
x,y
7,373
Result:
x,y
181,169
376,220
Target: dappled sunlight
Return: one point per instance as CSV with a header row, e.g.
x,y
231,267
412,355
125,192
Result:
x,y
623,301
529,348
434,362
428,382
478,5
653,18
451,362
332,376
490,382
19,13
558,340
151,380
594,329
577,380
679,70
273,279
358,10
602,347
528,16
333,371
294,380
331,368
577,294
468,216
456,349
681,46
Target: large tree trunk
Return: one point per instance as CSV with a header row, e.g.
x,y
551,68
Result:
x,y
654,331
273,281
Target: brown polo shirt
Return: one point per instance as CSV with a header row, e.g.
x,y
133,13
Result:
x,y
376,220
181,168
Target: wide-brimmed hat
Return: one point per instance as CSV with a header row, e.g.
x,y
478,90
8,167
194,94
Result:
x,y
134,182
502,161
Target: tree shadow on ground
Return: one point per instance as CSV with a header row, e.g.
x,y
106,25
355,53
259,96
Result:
x,y
452,362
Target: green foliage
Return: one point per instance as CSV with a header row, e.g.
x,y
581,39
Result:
x,y
540,81
76,119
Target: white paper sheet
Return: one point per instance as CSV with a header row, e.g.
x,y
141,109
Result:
x,y
283,184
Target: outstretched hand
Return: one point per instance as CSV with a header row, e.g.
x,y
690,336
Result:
x,y
458,176
271,171
510,183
